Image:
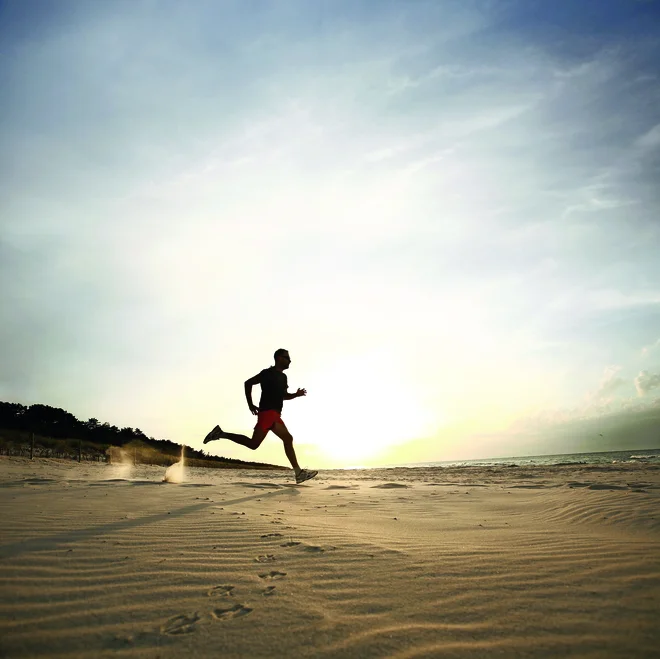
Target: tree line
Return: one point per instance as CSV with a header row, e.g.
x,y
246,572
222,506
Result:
x,y
53,423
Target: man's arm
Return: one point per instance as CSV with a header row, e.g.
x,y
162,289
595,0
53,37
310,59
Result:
x,y
300,392
248,392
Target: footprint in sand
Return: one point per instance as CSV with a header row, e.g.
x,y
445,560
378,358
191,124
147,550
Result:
x,y
272,575
268,590
181,624
265,559
220,591
271,535
314,549
235,611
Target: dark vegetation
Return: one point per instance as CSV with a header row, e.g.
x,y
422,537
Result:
x,y
51,432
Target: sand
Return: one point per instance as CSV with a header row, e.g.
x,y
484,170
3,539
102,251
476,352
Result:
x,y
461,562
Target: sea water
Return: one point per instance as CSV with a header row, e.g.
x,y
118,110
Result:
x,y
648,456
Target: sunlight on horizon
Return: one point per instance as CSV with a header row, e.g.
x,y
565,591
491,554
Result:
x,y
358,407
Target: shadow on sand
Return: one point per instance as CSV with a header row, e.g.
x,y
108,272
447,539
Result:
x,y
52,541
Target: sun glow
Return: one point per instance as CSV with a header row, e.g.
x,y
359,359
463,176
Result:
x,y
358,408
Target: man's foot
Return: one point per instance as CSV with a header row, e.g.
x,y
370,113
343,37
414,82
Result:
x,y
216,433
305,474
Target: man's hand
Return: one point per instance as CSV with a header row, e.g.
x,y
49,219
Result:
x,y
254,409
301,392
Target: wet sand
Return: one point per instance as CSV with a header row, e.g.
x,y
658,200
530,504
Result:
x,y
442,562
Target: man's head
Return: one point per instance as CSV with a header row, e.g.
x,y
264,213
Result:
x,y
282,359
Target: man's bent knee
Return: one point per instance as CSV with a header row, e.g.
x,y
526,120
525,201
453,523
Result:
x,y
283,433
258,436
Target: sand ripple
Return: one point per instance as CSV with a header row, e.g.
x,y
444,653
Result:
x,y
512,563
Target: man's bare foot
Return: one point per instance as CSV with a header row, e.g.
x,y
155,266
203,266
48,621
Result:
x,y
216,433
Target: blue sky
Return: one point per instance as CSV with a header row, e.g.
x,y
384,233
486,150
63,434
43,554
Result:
x,y
448,212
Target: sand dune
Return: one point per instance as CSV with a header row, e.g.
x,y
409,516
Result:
x,y
462,562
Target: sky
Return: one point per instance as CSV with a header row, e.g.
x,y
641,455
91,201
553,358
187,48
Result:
x,y
447,211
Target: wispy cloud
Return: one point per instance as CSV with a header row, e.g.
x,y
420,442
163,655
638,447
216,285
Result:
x,y
184,190
650,140
650,349
645,382
609,383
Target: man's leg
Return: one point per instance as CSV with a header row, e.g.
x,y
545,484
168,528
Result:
x,y
283,433
253,442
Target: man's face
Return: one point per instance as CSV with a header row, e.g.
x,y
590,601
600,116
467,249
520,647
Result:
x,y
283,361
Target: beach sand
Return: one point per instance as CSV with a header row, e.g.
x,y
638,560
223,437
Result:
x,y
441,562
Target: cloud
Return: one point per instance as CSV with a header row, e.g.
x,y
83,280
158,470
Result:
x,y
184,189
599,402
645,382
609,383
635,427
647,350
651,139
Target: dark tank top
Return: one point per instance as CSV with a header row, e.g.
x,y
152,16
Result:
x,y
273,387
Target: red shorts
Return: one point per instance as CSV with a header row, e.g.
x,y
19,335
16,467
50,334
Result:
x,y
267,419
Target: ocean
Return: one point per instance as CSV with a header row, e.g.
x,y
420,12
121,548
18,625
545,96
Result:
x,y
646,456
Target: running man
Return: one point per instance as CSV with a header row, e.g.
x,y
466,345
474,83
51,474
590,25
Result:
x,y
274,391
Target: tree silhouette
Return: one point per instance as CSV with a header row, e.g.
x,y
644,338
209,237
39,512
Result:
x,y
61,432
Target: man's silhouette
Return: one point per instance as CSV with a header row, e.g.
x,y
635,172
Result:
x,y
274,391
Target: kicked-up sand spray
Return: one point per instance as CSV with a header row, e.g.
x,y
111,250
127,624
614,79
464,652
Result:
x,y
121,463
175,473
